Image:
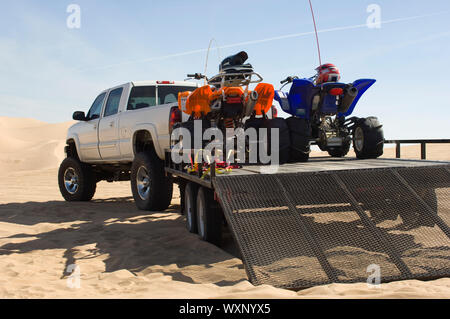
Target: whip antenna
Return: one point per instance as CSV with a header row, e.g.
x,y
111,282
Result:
x,y
207,54
315,29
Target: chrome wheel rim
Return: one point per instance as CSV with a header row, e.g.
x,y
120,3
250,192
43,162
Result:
x,y
201,218
359,139
71,180
143,183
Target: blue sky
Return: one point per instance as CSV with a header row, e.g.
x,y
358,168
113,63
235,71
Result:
x,y
48,70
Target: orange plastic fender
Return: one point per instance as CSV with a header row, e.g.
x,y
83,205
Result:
x,y
197,102
266,93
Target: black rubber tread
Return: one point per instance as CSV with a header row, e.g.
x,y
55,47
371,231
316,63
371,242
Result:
x,y
190,192
86,180
339,151
181,189
373,138
284,138
213,217
300,133
161,185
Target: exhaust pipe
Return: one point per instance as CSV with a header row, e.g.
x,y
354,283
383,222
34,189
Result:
x,y
250,106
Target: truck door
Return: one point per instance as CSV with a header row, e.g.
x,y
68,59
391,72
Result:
x,y
88,131
108,133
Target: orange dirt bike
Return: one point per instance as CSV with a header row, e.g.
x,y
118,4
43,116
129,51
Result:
x,y
226,102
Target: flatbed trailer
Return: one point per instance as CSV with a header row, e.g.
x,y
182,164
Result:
x,y
335,220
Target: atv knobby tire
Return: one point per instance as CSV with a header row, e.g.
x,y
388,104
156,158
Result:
x,y
368,138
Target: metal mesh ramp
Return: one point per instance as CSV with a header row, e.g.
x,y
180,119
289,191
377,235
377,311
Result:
x,y
297,230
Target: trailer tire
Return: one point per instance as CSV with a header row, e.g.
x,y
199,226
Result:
x,y
76,180
151,188
190,206
368,138
181,190
209,217
300,133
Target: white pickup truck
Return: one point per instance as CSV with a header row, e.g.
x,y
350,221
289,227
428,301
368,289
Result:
x,y
123,137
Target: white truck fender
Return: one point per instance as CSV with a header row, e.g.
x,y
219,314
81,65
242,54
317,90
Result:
x,y
154,135
74,137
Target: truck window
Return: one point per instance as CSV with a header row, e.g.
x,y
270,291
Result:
x,y
141,97
96,108
169,94
112,105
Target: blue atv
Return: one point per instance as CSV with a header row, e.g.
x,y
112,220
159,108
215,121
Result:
x,y
320,116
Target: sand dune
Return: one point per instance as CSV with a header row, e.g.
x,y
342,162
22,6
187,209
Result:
x,y
122,252
28,144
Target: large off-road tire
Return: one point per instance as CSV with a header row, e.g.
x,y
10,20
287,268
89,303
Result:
x,y
151,188
284,141
76,180
368,138
209,217
339,151
190,206
252,144
300,133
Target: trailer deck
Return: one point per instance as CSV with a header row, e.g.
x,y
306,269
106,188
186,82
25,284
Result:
x,y
338,220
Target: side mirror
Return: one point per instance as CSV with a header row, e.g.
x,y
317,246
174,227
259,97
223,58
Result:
x,y
79,116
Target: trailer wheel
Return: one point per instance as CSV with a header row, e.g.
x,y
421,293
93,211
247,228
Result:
x,y
300,133
76,180
368,138
151,188
209,217
190,206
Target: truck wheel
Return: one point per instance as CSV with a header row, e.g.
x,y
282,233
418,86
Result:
x,y
368,138
339,151
190,206
300,132
151,188
76,180
209,217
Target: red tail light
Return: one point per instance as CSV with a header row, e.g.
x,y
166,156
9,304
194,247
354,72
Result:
x,y
174,117
234,100
165,82
336,91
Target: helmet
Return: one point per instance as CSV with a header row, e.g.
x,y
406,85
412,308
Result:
x,y
327,73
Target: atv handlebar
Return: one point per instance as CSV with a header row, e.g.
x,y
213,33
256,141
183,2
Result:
x,y
197,76
289,79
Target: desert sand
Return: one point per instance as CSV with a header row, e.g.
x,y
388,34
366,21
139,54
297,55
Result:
x,y
122,252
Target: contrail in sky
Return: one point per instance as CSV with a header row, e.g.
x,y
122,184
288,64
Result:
x,y
287,36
